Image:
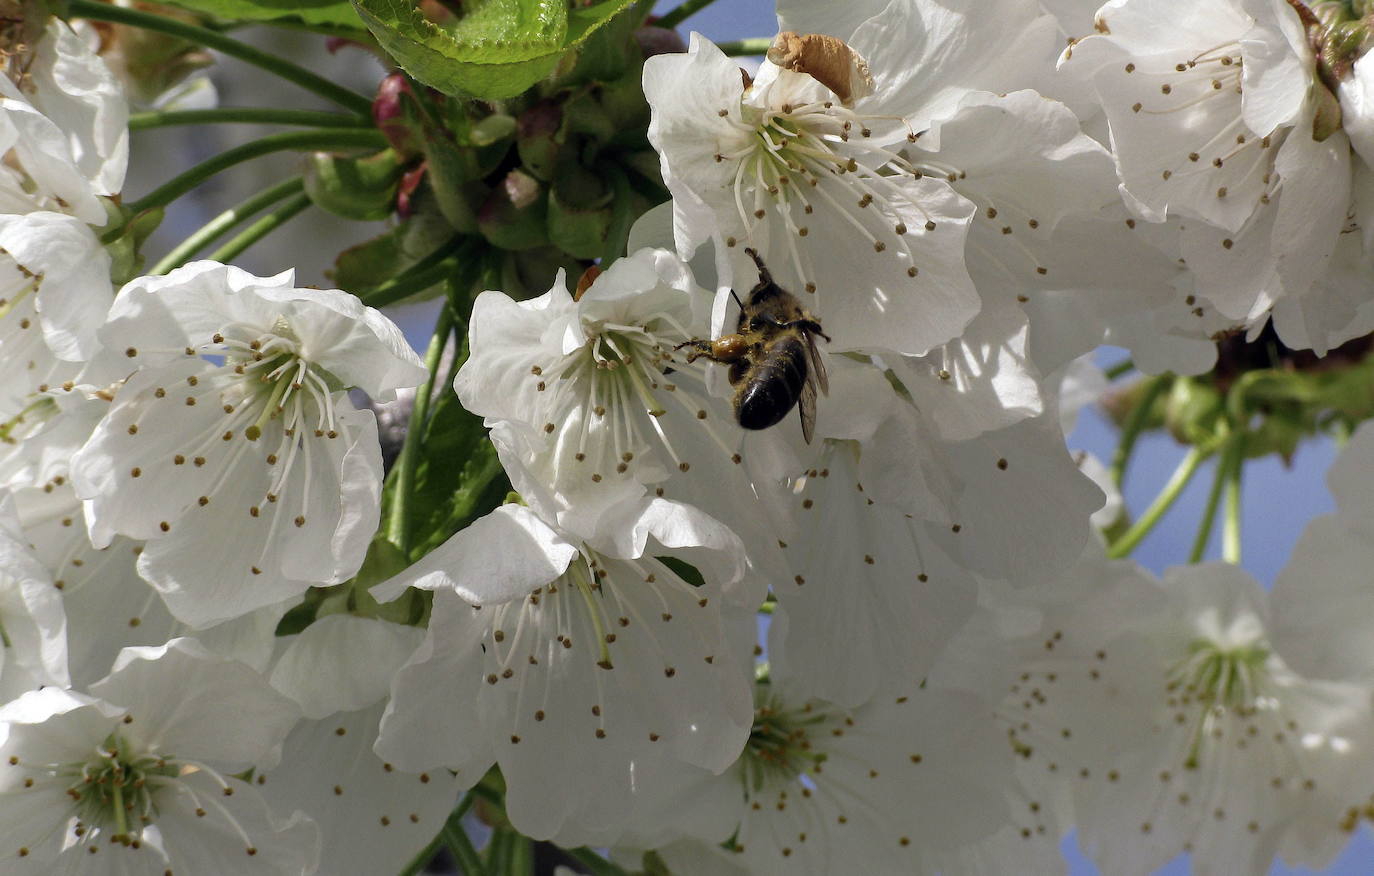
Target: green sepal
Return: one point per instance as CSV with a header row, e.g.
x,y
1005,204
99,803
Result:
x,y
539,137
298,617
1193,409
514,214
581,231
126,256
454,176
373,262
354,188
385,561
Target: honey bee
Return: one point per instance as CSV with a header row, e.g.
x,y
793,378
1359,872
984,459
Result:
x,y
774,363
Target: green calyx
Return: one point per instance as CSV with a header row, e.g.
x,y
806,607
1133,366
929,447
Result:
x,y
1275,395
354,188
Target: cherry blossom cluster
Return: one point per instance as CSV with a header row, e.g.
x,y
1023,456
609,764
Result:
x,y
895,639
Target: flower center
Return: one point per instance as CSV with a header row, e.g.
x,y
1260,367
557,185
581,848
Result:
x,y
1222,682
791,159
619,382
117,788
263,386
779,750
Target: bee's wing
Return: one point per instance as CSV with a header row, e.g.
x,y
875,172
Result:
x,y
806,405
813,358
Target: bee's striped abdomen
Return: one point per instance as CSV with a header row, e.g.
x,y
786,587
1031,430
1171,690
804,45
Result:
x,y
773,386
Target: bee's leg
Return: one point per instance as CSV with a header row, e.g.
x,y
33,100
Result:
x,y
812,326
765,278
698,348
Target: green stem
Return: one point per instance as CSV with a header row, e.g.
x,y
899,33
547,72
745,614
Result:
x,y
598,865
431,269
674,17
260,229
457,842
1209,511
739,48
255,115
1123,367
521,858
288,140
398,522
1134,425
350,100
217,226
1132,537
1230,526
495,854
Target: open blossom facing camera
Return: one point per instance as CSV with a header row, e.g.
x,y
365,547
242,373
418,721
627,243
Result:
x,y
235,421
598,403
784,166
588,662
138,778
894,784
1176,726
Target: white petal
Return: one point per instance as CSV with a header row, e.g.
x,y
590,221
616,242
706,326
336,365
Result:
x,y
198,705
343,663
79,93
74,288
502,556
373,818
980,382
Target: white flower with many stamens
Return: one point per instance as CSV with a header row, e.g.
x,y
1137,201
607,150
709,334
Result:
x,y
887,787
598,403
783,165
1217,114
137,778
233,447
1177,726
581,669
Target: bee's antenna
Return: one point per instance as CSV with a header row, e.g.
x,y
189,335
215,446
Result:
x,y
736,297
765,278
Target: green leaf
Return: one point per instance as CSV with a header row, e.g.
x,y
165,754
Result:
x,y
496,50
333,13
458,478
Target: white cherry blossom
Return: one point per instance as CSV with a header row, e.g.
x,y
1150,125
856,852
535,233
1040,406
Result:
x,y
575,667
887,787
67,121
783,166
137,778
1177,726
598,404
233,447
64,136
